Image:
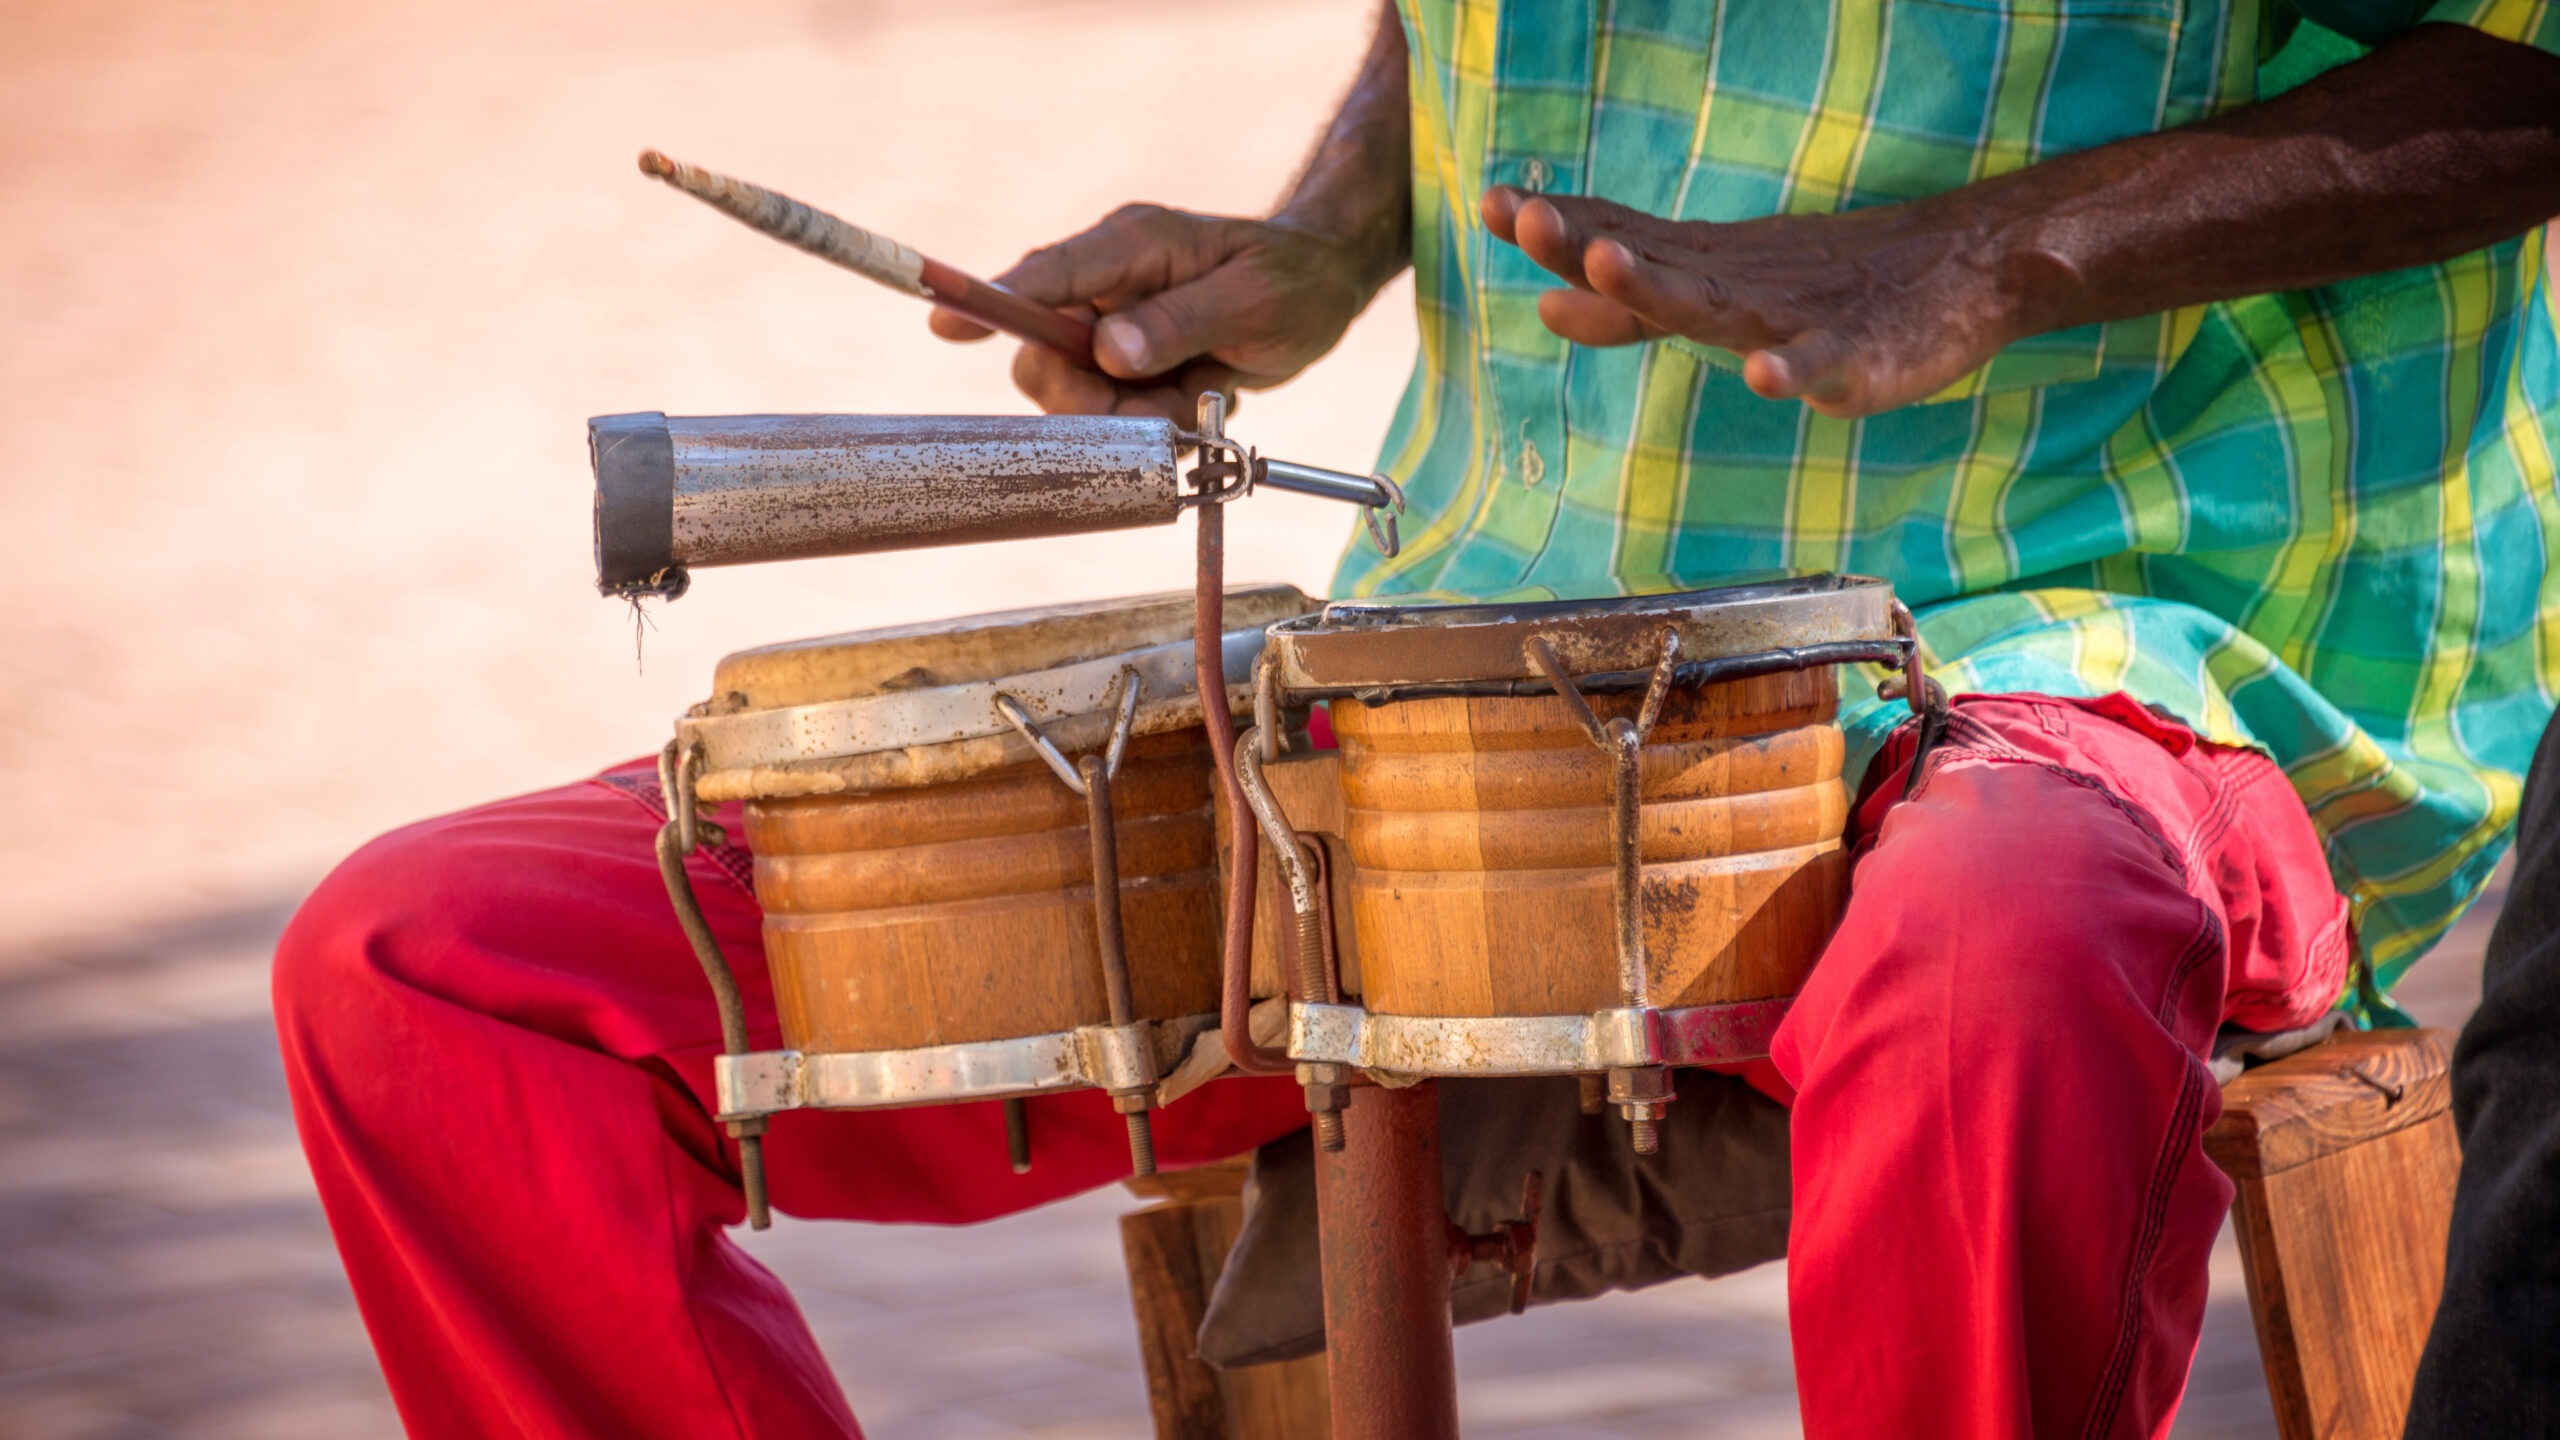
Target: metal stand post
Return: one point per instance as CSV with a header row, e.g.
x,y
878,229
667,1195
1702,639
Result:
x,y
1384,1228
1385,1241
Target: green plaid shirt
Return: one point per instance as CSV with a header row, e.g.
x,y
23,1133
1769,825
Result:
x,y
2313,522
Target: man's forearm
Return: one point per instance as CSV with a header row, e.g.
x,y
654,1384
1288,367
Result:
x,y
1358,185
2437,144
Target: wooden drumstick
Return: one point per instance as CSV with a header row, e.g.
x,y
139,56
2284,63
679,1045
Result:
x,y
877,256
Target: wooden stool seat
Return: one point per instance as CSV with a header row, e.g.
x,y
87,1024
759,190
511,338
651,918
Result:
x,y
2344,1155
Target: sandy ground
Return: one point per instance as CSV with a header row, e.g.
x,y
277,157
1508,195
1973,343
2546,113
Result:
x,y
302,307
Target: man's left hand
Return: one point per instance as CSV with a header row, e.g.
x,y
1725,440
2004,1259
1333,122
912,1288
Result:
x,y
1851,313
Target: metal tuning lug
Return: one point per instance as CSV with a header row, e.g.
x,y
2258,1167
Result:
x,y
1305,943
1639,1091
684,831
1133,1092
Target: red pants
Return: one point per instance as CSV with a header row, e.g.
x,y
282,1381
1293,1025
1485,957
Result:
x,y
499,1047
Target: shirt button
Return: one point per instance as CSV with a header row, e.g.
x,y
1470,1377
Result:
x,y
1535,175
1533,466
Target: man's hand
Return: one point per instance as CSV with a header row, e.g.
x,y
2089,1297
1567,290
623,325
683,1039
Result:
x,y
2438,143
1851,313
1191,303
1187,303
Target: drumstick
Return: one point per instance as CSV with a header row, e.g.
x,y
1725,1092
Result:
x,y
878,257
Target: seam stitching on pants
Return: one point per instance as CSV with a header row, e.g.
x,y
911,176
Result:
x,y
1964,738
642,791
2208,940
2109,1401
1980,736
2141,818
2220,814
1964,735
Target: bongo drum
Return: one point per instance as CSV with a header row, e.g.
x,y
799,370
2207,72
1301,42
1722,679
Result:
x,y
930,807
1591,837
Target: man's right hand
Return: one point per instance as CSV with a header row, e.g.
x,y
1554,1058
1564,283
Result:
x,y
1187,303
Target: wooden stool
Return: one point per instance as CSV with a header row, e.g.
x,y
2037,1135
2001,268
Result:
x,y
2345,1158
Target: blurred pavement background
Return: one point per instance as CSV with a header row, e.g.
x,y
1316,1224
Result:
x,y
302,307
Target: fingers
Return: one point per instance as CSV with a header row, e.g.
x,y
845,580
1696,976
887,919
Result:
x,y
1136,248
1226,307
1064,389
1061,388
1683,302
1798,313
1503,207
1540,227
1633,299
1588,319
1544,235
1180,303
1163,275
952,325
1624,299
1813,367
1574,238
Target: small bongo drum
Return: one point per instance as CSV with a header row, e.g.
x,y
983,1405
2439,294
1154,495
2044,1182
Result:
x,y
1589,837
927,852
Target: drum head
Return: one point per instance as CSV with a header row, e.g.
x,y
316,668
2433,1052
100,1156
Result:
x,y
1365,648
913,704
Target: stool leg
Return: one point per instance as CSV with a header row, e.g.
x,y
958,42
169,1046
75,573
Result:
x,y
1175,1252
1170,1293
2345,1257
2344,1156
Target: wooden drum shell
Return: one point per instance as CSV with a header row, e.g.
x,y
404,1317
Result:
x,y
1478,830
941,914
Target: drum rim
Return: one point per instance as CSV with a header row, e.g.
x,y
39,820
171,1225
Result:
x,y
1089,1057
791,737
1390,651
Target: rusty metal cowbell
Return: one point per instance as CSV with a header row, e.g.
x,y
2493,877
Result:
x,y
674,492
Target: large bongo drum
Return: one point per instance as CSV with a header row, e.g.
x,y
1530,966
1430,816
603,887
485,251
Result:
x,y
1600,838
930,806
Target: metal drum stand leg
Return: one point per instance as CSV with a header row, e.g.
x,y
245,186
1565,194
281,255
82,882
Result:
x,y
1134,1095
1383,1227
684,830
1382,1222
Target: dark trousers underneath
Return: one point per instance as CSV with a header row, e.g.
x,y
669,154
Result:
x,y
2492,1366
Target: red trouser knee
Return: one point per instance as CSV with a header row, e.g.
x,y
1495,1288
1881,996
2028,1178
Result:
x,y
2002,1204
499,1047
